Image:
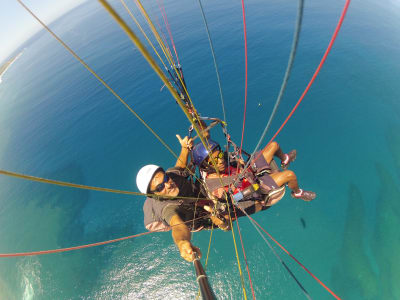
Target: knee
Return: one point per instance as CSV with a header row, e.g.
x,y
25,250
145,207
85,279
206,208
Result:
x,y
272,147
289,175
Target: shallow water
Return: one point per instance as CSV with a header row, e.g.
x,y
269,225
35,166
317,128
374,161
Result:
x,y
57,121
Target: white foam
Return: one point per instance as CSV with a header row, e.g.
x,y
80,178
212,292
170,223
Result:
x,y
30,271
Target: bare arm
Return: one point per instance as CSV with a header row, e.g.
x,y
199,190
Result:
x,y
181,235
187,144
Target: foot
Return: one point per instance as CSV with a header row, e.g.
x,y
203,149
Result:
x,y
304,195
289,157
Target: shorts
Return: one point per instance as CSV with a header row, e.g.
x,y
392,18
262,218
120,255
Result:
x,y
260,166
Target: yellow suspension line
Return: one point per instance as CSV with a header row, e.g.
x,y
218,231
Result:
x,y
164,39
143,32
164,49
169,57
158,38
162,45
151,44
80,186
155,33
152,63
100,79
60,183
159,72
209,244
105,84
167,54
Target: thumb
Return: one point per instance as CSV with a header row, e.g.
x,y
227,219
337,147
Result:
x,y
179,138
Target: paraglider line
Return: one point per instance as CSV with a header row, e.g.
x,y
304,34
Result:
x,y
327,51
346,6
245,83
286,77
277,255
294,258
164,14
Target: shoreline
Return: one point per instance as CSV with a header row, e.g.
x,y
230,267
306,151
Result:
x,y
7,64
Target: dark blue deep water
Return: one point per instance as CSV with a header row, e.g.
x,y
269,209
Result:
x,y
57,121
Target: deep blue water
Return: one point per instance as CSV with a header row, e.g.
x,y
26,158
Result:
x,y
57,121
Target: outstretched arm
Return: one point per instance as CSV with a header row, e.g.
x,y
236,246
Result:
x,y
181,235
186,144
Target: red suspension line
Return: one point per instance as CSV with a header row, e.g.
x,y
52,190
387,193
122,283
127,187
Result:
x,y
332,41
164,14
296,260
338,26
163,37
244,253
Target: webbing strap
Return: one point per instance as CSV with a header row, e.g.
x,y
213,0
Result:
x,y
216,183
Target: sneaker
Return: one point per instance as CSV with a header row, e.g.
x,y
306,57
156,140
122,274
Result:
x,y
304,195
290,157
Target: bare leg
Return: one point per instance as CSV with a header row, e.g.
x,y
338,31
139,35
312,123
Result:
x,y
272,150
286,177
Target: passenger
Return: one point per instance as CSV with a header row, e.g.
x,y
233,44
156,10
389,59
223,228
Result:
x,y
268,180
163,214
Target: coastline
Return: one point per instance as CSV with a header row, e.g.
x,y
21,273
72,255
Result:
x,y
7,64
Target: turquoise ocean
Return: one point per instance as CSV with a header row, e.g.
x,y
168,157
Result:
x,y
57,121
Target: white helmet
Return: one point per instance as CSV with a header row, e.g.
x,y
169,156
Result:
x,y
144,177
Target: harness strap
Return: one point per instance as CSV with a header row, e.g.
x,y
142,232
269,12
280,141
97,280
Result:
x,y
215,183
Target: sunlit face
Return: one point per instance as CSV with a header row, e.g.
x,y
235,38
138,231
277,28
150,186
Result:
x,y
218,157
162,185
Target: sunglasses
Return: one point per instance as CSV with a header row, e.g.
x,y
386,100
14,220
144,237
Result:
x,y
219,156
161,186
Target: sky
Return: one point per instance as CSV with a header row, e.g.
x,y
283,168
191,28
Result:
x,y
17,25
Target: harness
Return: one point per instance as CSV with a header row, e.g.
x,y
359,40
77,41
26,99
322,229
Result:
x,y
260,186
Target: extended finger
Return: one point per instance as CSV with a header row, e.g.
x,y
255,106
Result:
x,y
179,138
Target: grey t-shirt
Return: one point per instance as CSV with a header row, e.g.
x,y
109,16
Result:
x,y
158,213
